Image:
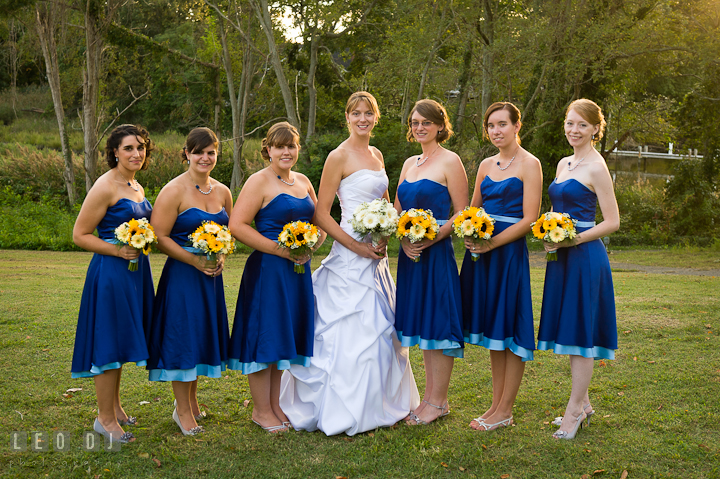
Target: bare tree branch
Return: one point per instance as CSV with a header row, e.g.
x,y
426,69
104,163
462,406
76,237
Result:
x,y
135,100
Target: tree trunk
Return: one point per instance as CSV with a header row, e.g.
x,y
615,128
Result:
x,y
45,25
91,88
13,60
312,91
488,57
263,15
463,85
433,51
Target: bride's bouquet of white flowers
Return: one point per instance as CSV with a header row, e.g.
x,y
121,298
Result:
x,y
378,218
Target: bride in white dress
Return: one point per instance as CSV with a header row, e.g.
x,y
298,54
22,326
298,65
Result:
x,y
359,377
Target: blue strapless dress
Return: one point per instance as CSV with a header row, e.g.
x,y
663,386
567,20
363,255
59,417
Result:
x,y
578,309
189,333
429,307
275,307
116,304
497,305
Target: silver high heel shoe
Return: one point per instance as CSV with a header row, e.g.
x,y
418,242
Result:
x,y
192,432
571,434
558,420
199,417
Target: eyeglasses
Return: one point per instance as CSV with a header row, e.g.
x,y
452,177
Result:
x,y
425,123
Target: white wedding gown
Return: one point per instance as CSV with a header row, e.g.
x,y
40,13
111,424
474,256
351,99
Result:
x,y
359,377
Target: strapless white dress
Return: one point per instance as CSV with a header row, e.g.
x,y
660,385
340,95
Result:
x,y
359,377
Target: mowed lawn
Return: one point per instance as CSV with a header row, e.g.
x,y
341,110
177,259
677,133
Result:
x,y
657,404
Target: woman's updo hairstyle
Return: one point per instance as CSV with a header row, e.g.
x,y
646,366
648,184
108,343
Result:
x,y
197,140
279,135
434,112
512,110
592,113
116,137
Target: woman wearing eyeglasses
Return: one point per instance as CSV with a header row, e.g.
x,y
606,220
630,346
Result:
x,y
428,311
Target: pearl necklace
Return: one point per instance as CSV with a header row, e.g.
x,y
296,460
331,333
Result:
x,y
280,178
418,161
128,183
197,187
511,160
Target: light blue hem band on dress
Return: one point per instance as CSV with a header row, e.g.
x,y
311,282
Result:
x,y
249,368
498,345
95,370
506,219
441,222
449,348
187,375
585,224
597,352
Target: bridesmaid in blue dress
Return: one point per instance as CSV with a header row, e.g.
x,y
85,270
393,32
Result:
x,y
429,311
273,325
116,303
189,333
578,310
497,306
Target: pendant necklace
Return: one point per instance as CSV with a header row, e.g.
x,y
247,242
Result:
x,y
128,183
280,178
197,187
576,164
421,161
511,160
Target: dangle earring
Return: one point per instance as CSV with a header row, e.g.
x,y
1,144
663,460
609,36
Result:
x,y
116,159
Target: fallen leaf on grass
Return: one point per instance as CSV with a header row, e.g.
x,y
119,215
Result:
x,y
651,362
606,415
371,434
587,450
624,475
547,423
144,455
142,403
246,402
504,476
634,358
340,477
462,469
628,331
659,407
598,471
45,350
348,439
602,364
27,337
156,399
73,390
584,476
444,464
68,396
621,393
484,447
157,461
705,447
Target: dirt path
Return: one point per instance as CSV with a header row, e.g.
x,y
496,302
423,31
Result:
x,y
537,260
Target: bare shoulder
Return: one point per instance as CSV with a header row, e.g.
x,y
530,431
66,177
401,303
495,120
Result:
x,y
452,159
378,153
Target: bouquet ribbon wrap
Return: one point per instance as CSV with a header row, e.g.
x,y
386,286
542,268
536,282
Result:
x,y
116,242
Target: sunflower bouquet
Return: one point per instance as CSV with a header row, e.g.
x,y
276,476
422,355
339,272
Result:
x,y
137,234
475,223
416,225
378,218
299,237
212,239
554,227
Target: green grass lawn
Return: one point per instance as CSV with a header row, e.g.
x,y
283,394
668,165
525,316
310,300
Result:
x,y
658,403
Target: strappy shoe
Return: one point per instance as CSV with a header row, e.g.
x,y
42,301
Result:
x,y
125,438
272,429
445,408
192,432
571,434
489,427
558,420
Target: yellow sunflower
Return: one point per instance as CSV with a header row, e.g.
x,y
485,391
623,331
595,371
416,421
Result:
x,y
549,225
538,230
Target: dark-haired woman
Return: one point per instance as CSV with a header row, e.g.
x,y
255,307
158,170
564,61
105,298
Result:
x,y
189,332
429,311
116,303
578,309
273,325
497,306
